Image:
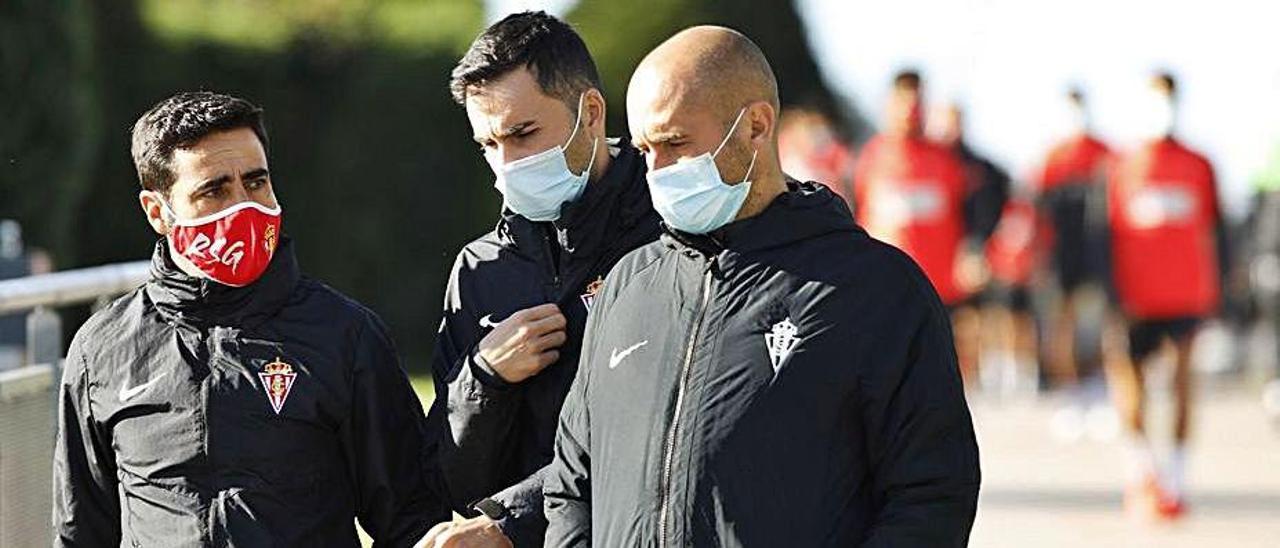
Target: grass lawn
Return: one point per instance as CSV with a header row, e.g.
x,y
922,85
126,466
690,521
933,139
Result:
x,y
426,391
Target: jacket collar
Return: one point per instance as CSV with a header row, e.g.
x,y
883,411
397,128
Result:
x,y
806,210
193,301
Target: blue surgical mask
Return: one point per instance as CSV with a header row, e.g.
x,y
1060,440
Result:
x,y
690,195
536,186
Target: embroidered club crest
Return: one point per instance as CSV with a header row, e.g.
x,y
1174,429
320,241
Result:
x,y
780,340
269,238
277,379
592,288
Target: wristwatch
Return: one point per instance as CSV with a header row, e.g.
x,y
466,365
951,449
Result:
x,y
493,509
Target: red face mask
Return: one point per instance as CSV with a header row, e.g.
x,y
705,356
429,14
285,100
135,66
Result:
x,y
233,246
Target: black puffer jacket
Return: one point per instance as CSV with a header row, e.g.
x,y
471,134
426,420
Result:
x,y
788,381
496,436
196,414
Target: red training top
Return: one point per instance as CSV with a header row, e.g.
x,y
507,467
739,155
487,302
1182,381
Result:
x,y
1013,247
910,193
1079,159
1162,207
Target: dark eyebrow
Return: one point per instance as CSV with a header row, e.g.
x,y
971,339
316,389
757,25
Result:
x,y
260,173
211,184
512,130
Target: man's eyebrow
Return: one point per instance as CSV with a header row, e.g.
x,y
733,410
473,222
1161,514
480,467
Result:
x,y
259,173
655,137
211,184
509,131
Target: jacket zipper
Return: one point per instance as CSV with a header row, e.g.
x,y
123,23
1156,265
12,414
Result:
x,y
669,454
553,256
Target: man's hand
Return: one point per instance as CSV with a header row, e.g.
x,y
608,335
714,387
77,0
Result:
x,y
478,532
971,271
524,343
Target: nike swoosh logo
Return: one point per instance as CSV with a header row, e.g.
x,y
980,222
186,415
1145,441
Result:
x,y
487,322
616,357
127,394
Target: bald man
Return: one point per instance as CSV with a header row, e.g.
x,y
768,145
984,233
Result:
x,y
765,374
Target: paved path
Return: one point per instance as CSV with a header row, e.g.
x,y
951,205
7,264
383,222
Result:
x,y
1042,493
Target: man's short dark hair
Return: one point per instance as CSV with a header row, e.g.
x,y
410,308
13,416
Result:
x,y
549,47
907,80
179,122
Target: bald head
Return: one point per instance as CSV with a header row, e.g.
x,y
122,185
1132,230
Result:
x,y
713,67
709,89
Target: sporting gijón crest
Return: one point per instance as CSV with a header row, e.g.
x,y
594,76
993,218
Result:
x,y
780,340
589,297
277,380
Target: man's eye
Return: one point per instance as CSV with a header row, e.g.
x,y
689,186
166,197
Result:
x,y
255,184
214,192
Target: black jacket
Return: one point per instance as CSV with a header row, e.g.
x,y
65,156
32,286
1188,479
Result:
x,y
788,381
497,435
167,435
987,191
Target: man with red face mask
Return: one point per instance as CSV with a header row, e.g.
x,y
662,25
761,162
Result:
x,y
910,192
1167,255
231,400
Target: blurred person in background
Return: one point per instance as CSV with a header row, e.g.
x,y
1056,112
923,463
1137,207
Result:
x,y
1167,254
518,298
812,150
1069,194
14,263
987,189
231,400
910,192
1069,190
1264,265
1009,331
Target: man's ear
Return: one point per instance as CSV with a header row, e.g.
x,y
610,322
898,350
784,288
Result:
x,y
153,209
762,119
594,109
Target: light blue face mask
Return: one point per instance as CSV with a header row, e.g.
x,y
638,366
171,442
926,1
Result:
x,y
536,186
690,195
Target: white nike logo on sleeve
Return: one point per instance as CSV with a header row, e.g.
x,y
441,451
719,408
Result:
x,y
616,357
487,322
127,394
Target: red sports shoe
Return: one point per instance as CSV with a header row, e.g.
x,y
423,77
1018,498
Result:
x,y
1169,507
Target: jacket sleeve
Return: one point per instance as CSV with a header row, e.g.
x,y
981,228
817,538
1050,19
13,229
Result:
x,y
984,205
525,524
567,480
474,410
920,439
385,440
86,508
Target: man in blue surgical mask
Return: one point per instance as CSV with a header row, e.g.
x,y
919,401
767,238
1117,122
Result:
x,y
765,374
518,298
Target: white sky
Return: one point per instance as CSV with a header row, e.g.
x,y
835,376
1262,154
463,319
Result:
x,y
1010,61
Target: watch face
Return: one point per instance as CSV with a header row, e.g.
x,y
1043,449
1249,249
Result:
x,y
491,508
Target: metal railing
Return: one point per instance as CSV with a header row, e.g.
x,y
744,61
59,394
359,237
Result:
x,y
72,286
28,394
42,292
